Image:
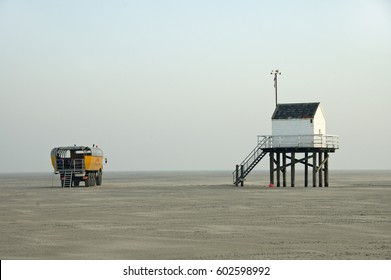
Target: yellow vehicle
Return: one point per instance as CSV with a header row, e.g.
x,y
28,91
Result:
x,y
78,163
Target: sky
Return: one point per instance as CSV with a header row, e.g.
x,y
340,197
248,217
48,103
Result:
x,y
186,85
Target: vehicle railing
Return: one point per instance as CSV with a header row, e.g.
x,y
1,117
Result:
x,y
67,164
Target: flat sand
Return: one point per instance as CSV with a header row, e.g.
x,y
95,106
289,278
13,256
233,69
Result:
x,y
195,215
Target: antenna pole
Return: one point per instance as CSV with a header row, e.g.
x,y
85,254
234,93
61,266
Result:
x,y
275,73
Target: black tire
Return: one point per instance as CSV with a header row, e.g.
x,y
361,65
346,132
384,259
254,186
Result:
x,y
93,180
99,179
87,181
76,183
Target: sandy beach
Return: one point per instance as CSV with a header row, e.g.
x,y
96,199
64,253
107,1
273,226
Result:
x,y
195,215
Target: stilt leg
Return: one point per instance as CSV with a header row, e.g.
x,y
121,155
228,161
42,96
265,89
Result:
x,y
241,175
278,169
271,154
326,169
314,170
320,170
237,175
293,169
284,169
306,170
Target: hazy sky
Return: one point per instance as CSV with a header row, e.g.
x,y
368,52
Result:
x,y
186,85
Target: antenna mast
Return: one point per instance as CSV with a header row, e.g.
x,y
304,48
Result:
x,y
276,73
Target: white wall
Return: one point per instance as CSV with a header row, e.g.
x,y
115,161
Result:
x,y
292,127
319,122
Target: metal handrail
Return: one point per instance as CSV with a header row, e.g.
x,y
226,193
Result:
x,y
257,148
288,141
253,155
301,141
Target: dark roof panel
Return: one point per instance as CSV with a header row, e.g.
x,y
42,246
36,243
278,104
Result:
x,y
295,111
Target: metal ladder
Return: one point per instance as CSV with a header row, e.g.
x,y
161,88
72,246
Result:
x,y
68,179
248,164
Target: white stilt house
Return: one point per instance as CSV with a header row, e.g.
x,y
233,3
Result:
x,y
300,125
298,137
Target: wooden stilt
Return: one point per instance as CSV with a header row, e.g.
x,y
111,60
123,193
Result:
x,y
314,169
320,169
280,159
306,170
278,169
271,154
237,175
326,169
283,155
241,175
284,169
293,169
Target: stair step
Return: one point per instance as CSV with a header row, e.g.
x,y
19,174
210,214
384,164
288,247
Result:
x,y
256,155
68,179
250,167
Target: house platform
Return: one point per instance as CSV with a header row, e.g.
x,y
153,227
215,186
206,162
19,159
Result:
x,y
312,154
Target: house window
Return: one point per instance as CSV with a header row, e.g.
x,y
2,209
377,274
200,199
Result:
x,y
310,120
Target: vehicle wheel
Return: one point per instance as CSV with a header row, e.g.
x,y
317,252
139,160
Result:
x,y
87,181
99,179
93,176
76,183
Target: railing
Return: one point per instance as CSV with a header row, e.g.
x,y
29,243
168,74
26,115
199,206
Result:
x,y
256,152
300,141
283,141
252,156
70,164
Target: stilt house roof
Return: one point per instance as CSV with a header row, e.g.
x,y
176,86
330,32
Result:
x,y
295,111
